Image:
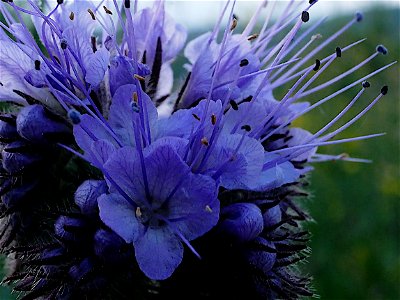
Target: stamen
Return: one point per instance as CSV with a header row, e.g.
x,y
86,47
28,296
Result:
x,y
234,23
252,37
338,52
71,16
359,16
138,212
74,116
204,141
246,128
208,209
138,77
234,105
91,14
305,16
244,62
107,10
37,65
317,65
64,44
94,43
384,90
59,2
366,84
381,49
213,119
127,3
196,117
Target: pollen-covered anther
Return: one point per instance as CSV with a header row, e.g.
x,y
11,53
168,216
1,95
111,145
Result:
x,y
234,23
246,128
344,156
107,10
316,36
37,65
317,65
138,77
204,141
338,52
91,13
384,90
196,117
138,212
135,97
213,119
244,62
208,209
252,37
234,105
305,16
71,16
381,49
366,84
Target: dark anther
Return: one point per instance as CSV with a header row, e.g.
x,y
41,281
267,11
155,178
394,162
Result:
x,y
384,90
127,4
234,16
107,10
317,64
37,65
196,117
234,24
366,84
94,44
359,16
213,119
234,105
305,16
381,49
246,127
74,116
244,62
204,141
60,1
312,1
91,14
64,44
71,16
338,52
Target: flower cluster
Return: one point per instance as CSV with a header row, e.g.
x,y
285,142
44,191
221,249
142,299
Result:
x,y
117,185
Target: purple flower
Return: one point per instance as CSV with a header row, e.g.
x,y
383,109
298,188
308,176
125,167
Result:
x,y
157,204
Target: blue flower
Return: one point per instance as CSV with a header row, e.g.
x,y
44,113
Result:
x,y
157,204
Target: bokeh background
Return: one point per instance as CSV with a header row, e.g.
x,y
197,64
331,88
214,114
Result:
x,y
355,206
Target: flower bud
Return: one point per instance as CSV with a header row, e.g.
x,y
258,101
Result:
x,y
242,221
35,125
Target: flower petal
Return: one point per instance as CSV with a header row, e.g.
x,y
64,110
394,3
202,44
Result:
x,y
158,253
120,216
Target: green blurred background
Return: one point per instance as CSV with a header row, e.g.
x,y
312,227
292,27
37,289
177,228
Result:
x,y
356,207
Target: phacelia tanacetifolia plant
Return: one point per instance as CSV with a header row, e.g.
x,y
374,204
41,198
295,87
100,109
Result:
x,y
117,183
